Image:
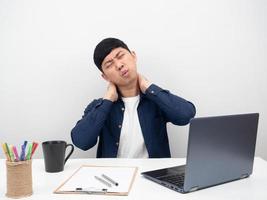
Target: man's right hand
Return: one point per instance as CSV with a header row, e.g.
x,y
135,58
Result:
x,y
111,93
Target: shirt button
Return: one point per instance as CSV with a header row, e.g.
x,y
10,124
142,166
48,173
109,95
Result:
x,y
152,92
117,144
122,109
119,126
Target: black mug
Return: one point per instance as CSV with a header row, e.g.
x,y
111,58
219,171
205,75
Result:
x,y
54,155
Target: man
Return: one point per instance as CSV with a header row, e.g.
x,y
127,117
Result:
x,y
130,120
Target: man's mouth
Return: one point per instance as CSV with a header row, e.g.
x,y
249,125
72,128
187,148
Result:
x,y
124,73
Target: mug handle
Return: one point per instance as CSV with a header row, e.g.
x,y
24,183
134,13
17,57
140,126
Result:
x,y
71,151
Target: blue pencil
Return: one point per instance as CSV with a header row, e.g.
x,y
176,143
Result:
x,y
22,154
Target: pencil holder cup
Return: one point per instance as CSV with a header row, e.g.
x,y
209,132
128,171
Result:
x,y
19,179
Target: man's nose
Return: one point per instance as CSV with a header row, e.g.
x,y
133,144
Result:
x,y
118,65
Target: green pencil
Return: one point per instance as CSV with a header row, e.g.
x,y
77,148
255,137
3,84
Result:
x,y
29,152
11,153
8,151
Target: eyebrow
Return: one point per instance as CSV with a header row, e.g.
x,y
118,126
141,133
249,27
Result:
x,y
109,61
118,53
112,58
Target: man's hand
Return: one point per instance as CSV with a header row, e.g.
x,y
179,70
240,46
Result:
x,y
111,93
143,83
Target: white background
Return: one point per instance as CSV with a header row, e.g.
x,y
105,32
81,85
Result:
x,y
212,53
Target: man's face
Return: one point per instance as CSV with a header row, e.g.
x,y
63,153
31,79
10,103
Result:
x,y
119,67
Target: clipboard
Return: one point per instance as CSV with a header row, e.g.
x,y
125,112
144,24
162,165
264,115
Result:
x,y
84,177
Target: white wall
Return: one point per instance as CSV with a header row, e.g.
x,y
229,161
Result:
x,y
210,52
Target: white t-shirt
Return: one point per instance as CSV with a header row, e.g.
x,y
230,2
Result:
x,y
131,138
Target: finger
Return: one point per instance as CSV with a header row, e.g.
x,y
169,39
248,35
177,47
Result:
x,y
111,84
139,77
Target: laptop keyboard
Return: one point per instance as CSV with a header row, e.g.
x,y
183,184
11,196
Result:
x,y
176,179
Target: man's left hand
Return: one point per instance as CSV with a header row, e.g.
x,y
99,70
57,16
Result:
x,y
143,83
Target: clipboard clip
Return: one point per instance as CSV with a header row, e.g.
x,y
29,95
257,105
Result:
x,y
92,190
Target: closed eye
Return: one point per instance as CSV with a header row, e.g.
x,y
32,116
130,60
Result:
x,y
108,65
121,55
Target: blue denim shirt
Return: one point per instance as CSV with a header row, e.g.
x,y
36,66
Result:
x,y
102,120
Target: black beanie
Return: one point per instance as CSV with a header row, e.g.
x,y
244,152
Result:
x,y
104,48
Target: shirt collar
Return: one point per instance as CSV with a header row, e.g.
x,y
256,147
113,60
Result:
x,y
142,95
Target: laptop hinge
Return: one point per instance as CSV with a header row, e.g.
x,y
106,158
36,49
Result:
x,y
244,176
193,189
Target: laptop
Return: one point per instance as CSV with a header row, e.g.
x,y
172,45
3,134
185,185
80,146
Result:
x,y
220,149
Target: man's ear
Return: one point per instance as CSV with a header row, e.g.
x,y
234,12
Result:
x,y
134,55
105,77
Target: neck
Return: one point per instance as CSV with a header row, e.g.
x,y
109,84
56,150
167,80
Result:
x,y
130,90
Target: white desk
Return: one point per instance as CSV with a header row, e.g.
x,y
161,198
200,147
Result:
x,y
45,183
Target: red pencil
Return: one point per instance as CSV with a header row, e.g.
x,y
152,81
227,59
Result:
x,y
35,144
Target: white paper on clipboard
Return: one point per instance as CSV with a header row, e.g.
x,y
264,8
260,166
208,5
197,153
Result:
x,y
84,177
